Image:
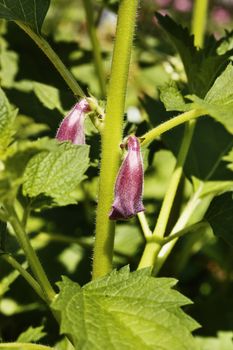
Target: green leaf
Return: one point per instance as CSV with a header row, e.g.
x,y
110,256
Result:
x,y
128,241
56,173
202,66
173,99
26,127
218,102
32,334
226,42
7,117
222,113
222,90
229,158
224,341
19,153
48,95
125,311
220,216
8,65
29,12
16,158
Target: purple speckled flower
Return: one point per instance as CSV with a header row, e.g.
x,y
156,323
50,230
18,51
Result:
x,y
72,126
129,184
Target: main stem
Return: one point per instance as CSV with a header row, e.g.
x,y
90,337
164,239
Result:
x,y
32,258
95,45
112,136
55,60
199,21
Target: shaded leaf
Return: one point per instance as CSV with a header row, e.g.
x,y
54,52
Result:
x,y
29,12
202,66
210,143
125,310
220,216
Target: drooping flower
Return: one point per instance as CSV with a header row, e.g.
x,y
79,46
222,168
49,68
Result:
x,y
72,126
129,184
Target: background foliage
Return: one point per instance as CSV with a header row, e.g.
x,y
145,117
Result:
x,y
62,222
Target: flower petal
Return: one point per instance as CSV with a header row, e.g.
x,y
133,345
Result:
x,y
129,184
72,126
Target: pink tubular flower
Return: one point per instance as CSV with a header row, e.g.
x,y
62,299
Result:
x,y
129,184
72,126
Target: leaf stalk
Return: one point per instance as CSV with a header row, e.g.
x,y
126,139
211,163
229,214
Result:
x,y
54,59
31,256
95,45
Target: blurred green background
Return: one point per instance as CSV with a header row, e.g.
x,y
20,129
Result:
x,y
64,236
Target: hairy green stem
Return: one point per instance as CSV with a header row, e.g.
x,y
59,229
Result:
x,y
170,124
32,258
112,136
155,246
199,21
55,60
31,281
95,45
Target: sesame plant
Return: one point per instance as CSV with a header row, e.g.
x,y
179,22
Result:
x,y
116,178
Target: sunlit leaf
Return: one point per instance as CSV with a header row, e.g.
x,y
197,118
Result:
x,y
125,311
32,334
218,102
57,173
224,341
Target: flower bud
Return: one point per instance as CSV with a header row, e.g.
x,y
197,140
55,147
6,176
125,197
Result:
x,y
72,126
129,184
